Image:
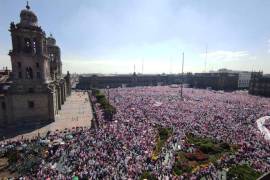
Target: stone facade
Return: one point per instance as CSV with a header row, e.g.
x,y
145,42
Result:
x,y
215,81
259,84
36,88
129,80
244,77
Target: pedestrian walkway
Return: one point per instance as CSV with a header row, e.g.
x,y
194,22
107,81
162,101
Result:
x,y
76,112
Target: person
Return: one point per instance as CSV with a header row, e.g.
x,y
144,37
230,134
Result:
x,y
122,148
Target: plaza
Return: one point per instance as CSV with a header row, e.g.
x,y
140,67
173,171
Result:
x,y
76,112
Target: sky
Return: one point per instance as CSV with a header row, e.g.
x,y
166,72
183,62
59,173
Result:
x,y
113,36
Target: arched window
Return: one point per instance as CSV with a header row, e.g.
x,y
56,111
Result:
x,y
29,73
27,45
19,64
38,75
20,75
34,46
52,57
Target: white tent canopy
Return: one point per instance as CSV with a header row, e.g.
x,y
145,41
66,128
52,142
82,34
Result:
x,y
262,128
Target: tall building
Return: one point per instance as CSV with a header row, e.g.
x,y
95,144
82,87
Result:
x,y
215,80
129,80
244,77
259,84
36,88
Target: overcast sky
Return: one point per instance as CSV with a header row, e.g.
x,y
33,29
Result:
x,y
110,36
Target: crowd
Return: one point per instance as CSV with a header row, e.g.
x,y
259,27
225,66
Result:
x,y
122,148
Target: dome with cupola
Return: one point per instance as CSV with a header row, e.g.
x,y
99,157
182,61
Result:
x,y
51,41
28,17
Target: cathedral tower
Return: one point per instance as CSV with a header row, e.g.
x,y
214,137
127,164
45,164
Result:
x,y
55,58
37,89
29,57
32,94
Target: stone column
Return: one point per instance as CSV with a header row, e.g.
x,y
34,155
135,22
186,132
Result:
x,y
65,91
51,106
62,94
59,97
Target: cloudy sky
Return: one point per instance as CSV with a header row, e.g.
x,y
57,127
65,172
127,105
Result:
x,y
110,36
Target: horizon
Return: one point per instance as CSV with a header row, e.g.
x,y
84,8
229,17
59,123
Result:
x,y
109,38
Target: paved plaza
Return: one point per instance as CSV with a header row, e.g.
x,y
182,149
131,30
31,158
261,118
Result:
x,y
76,112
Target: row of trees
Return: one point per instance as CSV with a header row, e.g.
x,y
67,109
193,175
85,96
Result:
x,y
108,109
163,135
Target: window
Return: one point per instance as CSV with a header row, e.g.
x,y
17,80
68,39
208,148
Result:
x,y
19,64
38,75
3,105
37,65
20,75
34,46
31,104
52,57
27,45
31,90
29,73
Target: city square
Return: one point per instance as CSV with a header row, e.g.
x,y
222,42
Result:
x,y
134,90
123,148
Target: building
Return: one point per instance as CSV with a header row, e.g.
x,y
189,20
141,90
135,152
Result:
x,y
216,81
128,80
259,84
222,79
36,88
243,78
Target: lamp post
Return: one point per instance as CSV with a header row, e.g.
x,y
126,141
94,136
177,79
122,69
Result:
x,y
182,78
108,91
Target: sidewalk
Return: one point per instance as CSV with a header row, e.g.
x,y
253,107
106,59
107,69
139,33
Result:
x,y
76,112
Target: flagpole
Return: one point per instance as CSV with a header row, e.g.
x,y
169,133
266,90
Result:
x,y
205,61
183,57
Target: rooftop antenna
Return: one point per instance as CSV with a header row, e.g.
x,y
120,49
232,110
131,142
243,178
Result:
x,y
27,5
134,69
182,78
142,65
205,61
171,65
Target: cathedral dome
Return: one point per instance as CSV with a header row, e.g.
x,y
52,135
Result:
x,y
51,41
28,17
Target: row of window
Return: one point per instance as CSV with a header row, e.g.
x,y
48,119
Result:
x,y
20,65
29,74
30,46
244,81
31,105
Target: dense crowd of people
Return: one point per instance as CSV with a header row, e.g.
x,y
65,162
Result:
x,y
122,148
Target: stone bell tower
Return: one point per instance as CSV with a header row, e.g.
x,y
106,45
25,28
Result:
x,y
37,88
32,94
29,58
55,58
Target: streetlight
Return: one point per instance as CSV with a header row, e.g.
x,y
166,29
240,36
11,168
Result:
x,y
182,79
108,91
